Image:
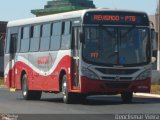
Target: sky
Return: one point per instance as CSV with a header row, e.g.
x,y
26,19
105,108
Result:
x,y
19,9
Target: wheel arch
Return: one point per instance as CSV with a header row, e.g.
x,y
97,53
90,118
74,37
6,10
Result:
x,y
22,73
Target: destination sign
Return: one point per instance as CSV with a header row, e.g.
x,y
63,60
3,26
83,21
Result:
x,y
116,18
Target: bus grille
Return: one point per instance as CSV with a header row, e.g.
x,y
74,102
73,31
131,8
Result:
x,y
117,71
118,85
120,79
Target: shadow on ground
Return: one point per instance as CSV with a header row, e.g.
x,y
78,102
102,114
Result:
x,y
107,100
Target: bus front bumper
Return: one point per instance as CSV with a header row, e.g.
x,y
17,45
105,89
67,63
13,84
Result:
x,y
89,86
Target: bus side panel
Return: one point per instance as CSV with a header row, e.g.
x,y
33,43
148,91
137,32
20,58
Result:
x,y
20,67
9,73
50,82
7,69
43,70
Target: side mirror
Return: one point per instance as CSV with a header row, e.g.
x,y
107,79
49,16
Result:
x,y
154,59
82,37
154,39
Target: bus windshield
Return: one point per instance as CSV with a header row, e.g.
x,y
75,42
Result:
x,y
116,45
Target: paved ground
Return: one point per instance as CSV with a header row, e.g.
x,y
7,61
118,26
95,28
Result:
x,y
52,104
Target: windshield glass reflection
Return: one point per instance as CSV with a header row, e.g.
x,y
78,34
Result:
x,y
116,46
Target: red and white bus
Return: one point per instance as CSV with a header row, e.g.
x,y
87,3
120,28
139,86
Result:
x,y
79,53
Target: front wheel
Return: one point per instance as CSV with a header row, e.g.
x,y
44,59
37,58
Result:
x,y
127,97
68,97
28,94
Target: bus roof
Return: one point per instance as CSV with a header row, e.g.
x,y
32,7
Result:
x,y
59,16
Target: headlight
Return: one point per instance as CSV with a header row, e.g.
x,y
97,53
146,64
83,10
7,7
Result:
x,y
89,74
144,75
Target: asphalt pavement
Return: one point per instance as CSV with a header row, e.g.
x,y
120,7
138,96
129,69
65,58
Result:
x,y
52,104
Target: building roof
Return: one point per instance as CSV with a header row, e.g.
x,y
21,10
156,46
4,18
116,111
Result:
x,y
59,6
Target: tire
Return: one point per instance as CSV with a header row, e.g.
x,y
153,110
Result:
x,y
28,94
127,97
68,98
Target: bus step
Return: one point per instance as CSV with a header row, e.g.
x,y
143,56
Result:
x,y
12,89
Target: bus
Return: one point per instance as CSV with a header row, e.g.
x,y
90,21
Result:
x,y
80,53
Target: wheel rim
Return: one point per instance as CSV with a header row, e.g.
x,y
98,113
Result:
x,y
64,90
24,87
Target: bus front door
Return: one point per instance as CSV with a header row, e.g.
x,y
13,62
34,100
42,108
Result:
x,y
13,46
75,62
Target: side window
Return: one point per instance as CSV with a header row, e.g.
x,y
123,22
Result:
x,y
25,39
31,31
11,41
45,38
46,30
7,44
56,36
34,38
13,45
66,35
67,27
19,40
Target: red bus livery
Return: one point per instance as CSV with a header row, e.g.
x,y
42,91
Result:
x,y
80,53
43,60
